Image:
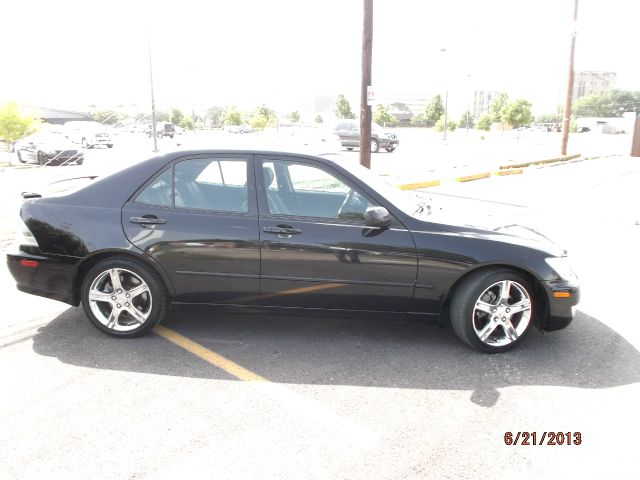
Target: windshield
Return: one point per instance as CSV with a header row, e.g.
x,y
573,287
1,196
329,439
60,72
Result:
x,y
405,201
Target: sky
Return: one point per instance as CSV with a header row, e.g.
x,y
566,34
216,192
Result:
x,y
73,54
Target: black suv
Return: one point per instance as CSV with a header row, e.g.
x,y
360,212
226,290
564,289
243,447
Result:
x,y
163,129
349,133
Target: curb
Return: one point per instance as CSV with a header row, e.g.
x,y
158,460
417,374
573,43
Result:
x,y
477,176
541,162
425,184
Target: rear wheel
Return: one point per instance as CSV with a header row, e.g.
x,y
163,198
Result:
x,y
492,310
124,297
375,146
390,149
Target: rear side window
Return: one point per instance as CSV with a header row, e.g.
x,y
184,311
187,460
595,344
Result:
x,y
159,192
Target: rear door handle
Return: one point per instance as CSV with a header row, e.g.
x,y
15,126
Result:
x,y
282,230
147,220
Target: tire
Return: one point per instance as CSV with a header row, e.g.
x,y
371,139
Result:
x,y
85,144
41,159
160,135
390,149
148,298
349,148
482,316
19,156
109,145
375,146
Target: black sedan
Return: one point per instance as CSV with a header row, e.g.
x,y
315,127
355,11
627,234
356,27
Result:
x,y
259,229
48,148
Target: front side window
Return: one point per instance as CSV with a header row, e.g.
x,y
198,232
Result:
x,y
306,190
211,184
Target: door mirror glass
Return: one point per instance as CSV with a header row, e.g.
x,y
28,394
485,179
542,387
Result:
x,y
377,217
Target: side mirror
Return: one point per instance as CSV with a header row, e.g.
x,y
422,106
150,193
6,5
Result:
x,y
377,217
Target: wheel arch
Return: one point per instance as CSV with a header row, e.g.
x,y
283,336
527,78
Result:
x,y
540,293
88,262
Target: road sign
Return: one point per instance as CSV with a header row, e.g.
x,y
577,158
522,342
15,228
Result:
x,y
370,95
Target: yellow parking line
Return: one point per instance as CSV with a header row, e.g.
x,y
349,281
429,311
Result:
x,y
209,356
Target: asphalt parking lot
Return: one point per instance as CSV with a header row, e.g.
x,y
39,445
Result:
x,y
252,395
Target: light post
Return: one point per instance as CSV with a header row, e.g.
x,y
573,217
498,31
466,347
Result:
x,y
446,99
153,102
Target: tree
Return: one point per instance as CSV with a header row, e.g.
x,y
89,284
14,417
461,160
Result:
x,y
176,116
382,116
484,122
186,123
258,121
548,118
214,115
14,125
451,125
401,107
517,113
434,110
162,116
266,112
232,116
466,116
107,117
294,117
497,105
343,108
419,120
319,119
608,104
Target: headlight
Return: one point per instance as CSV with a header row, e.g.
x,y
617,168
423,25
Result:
x,y
561,266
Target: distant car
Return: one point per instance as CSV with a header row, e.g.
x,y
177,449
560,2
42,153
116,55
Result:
x,y
244,128
249,228
163,129
349,133
88,133
48,148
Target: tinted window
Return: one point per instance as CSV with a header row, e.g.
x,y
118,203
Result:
x,y
212,184
159,192
309,191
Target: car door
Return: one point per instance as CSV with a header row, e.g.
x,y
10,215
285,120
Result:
x,y
198,219
316,251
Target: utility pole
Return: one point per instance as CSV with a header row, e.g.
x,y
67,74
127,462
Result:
x,y
153,102
365,108
446,97
567,106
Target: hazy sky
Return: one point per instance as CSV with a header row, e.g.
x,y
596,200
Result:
x,y
70,54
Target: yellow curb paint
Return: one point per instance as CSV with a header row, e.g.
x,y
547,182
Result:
x,y
209,356
425,184
477,176
511,171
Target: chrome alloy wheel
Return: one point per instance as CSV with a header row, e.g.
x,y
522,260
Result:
x,y
502,313
120,299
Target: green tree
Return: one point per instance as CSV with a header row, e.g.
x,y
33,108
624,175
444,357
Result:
x,y
232,116
162,116
382,116
612,103
266,112
186,123
497,105
294,117
214,115
176,116
258,120
107,117
319,119
484,123
451,125
401,107
517,113
343,108
419,120
434,110
463,120
14,125
548,118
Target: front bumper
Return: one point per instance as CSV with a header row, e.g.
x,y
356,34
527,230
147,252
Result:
x,y
563,297
47,276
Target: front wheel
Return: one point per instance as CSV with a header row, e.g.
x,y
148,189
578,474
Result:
x,y
124,297
492,310
390,149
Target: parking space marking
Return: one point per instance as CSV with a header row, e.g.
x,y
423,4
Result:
x,y
344,429
209,356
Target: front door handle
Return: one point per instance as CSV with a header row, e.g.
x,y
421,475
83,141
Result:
x,y
282,230
147,220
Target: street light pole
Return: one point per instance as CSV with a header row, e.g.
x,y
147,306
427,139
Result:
x,y
365,108
153,102
567,106
446,100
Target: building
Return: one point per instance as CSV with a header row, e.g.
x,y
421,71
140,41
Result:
x,y
481,101
54,116
587,83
